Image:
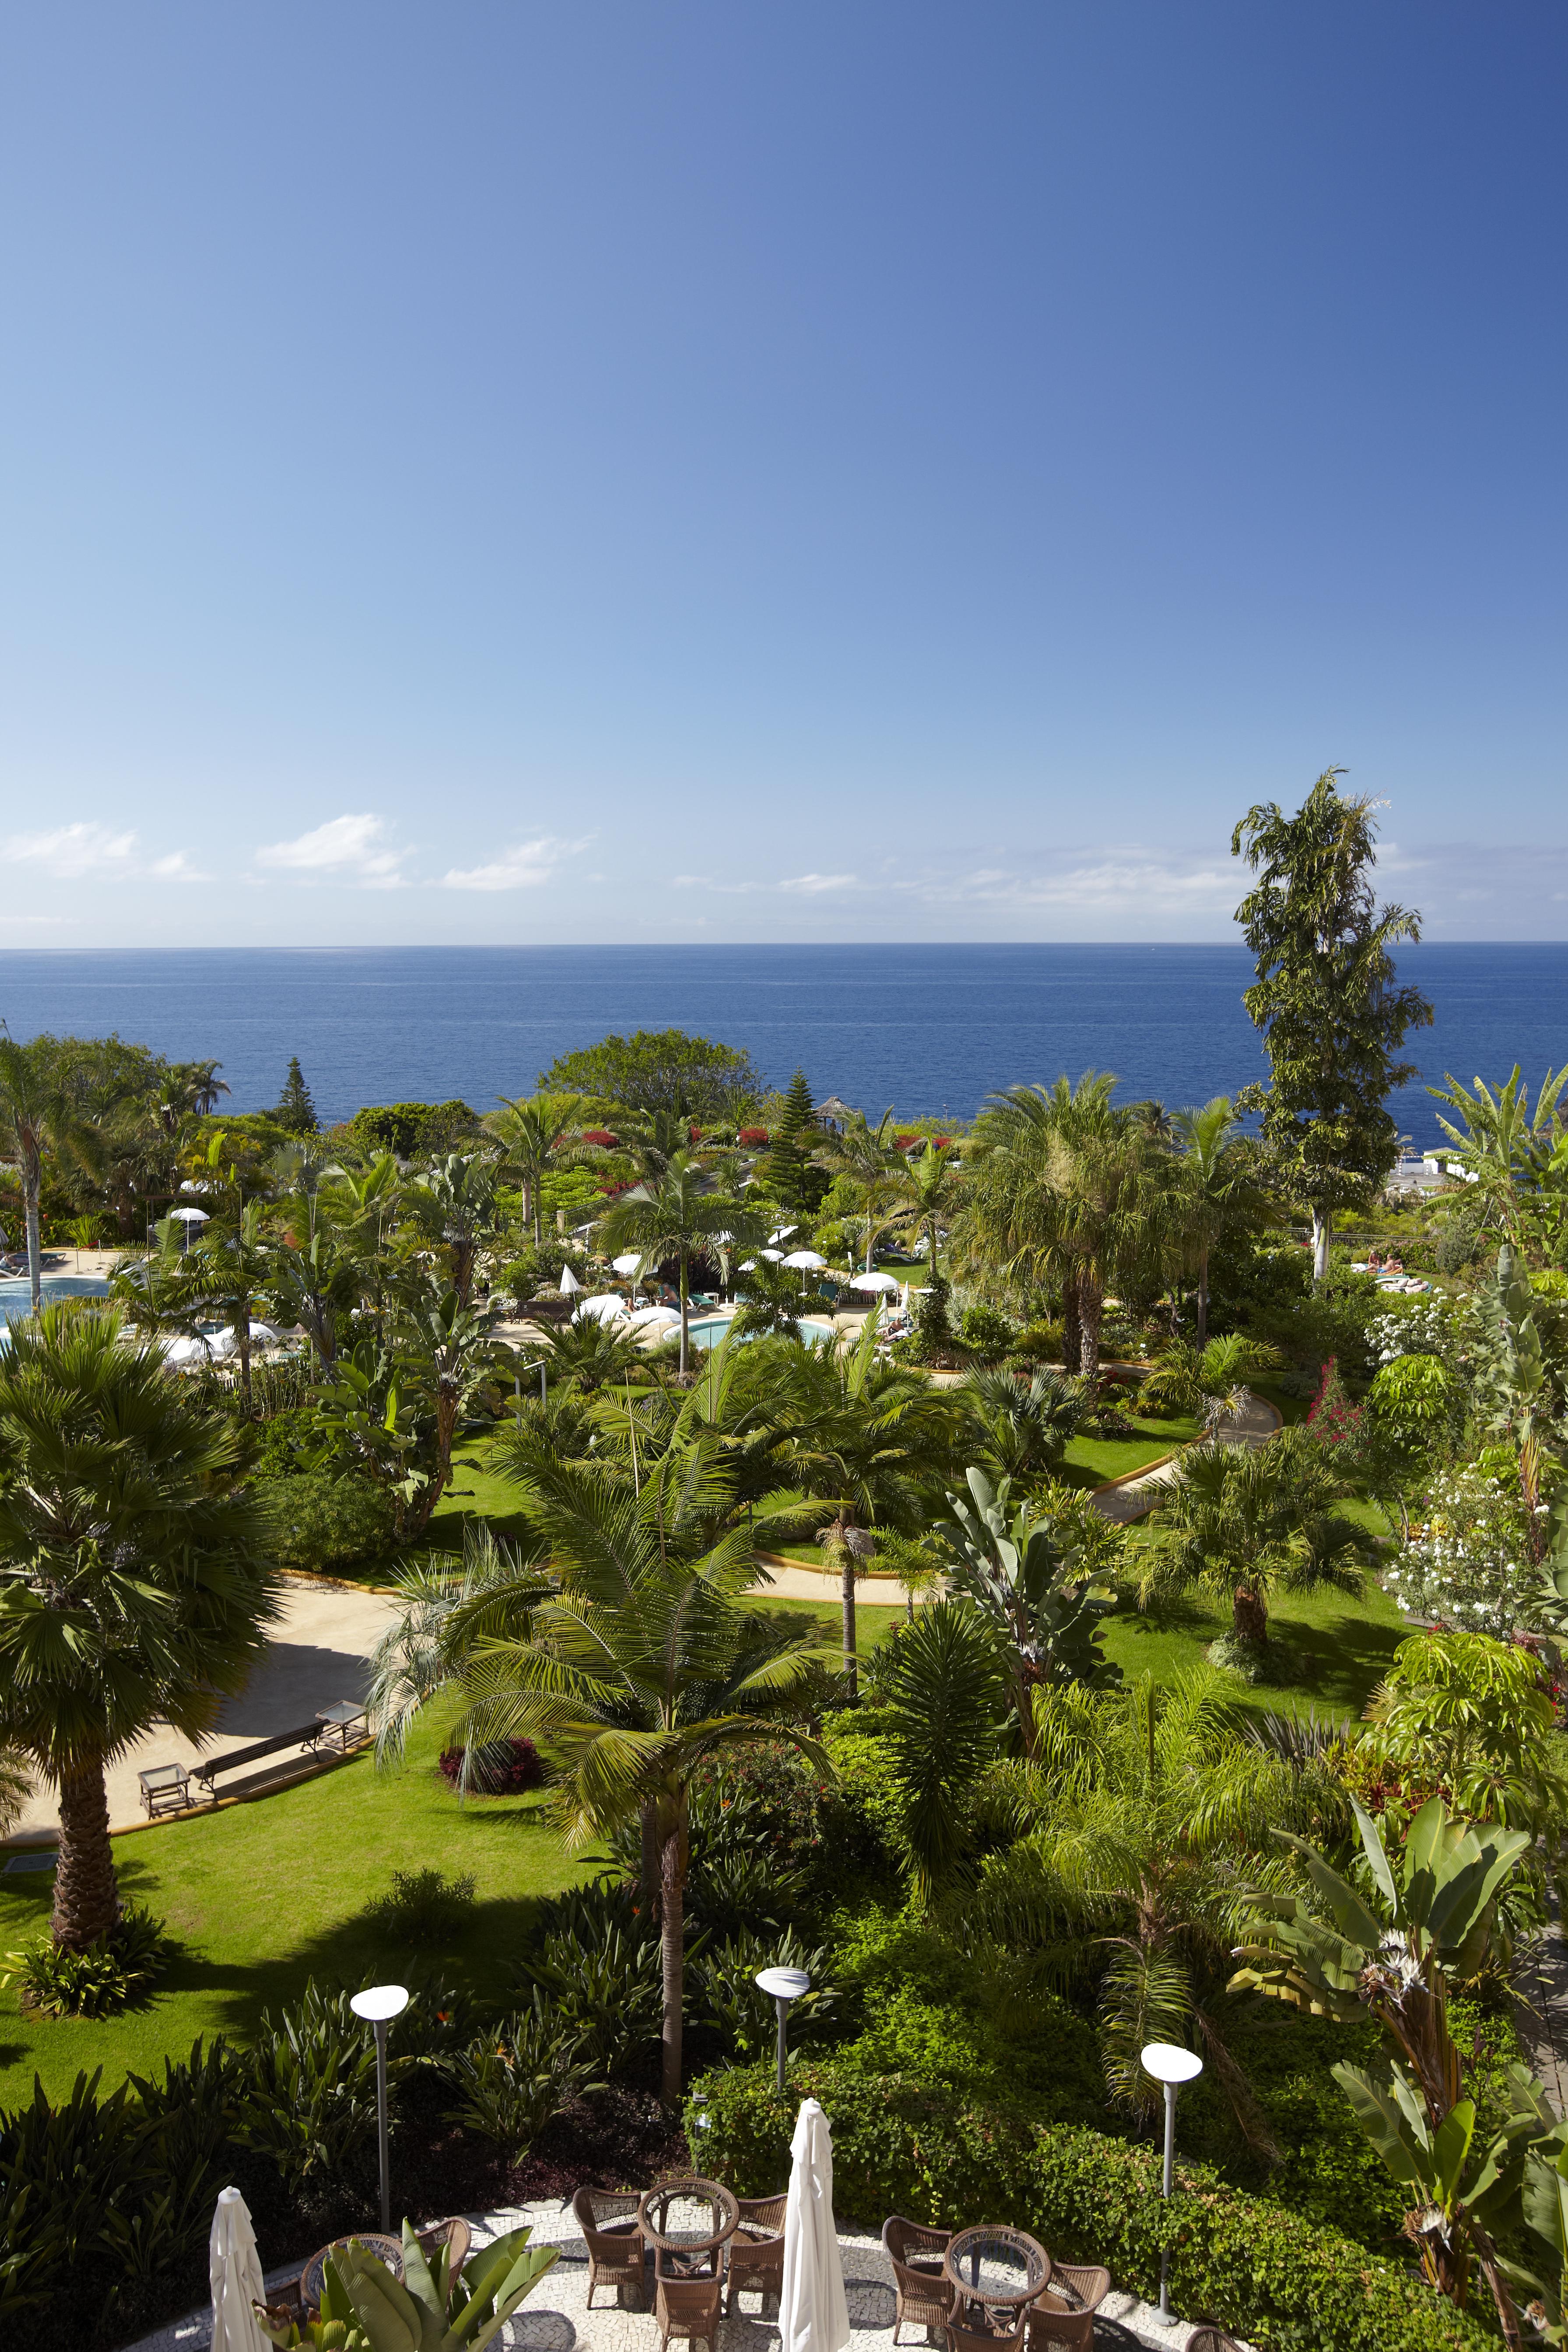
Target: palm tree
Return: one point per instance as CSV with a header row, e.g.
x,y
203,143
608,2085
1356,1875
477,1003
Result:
x,y
641,1669
1209,1380
1143,1815
134,1582
875,1166
444,1355
455,1203
681,1212
929,1186
1219,1193
873,1441
38,1114
537,1133
770,1306
1021,1429
230,1265
1246,1517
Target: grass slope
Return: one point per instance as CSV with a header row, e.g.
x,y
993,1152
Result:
x,y
266,1895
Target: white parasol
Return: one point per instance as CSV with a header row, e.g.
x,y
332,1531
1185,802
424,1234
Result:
x,y
642,1317
234,2268
605,1306
873,1282
569,1282
813,2310
628,1263
782,1233
811,1259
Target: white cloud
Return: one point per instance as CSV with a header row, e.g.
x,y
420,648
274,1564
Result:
x,y
71,851
812,886
12,920
349,848
524,867
1094,882
177,868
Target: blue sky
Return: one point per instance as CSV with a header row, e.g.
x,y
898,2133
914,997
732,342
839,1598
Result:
x,y
858,471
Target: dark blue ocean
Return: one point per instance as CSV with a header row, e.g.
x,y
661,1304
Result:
x,y
928,1029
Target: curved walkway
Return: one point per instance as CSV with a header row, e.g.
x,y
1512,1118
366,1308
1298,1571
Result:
x,y
1126,1500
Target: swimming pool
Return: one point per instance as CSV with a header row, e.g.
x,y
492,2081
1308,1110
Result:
x,y
710,1329
17,1292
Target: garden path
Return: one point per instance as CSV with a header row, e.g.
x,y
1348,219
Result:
x,y
1541,2007
1126,1500
556,2317
318,1653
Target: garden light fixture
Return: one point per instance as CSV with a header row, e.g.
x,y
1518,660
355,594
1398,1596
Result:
x,y
378,2005
1170,2065
783,1986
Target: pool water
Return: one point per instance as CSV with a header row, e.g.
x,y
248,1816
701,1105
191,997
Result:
x,y
713,1328
16,1294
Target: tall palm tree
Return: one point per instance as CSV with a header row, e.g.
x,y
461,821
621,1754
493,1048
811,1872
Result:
x,y
227,1268
871,1159
537,1133
1217,1189
1246,1517
455,1203
39,1115
134,1580
929,1186
679,1211
642,1667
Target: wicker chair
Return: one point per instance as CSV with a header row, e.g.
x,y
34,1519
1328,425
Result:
x,y
976,2336
1212,2339
756,2250
1061,2319
924,2297
612,2232
684,2306
455,2236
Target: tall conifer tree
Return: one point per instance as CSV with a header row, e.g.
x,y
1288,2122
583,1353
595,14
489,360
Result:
x,y
295,1109
792,1140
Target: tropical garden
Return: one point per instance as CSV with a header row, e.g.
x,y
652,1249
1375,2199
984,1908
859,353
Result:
x,y
1267,1762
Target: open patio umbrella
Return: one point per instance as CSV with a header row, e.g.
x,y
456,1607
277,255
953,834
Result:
x,y
605,1306
189,1217
628,1263
776,1256
811,1259
783,1233
234,2268
643,1318
813,2310
873,1282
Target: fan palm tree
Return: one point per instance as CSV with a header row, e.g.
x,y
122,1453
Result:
x,y
1209,1380
1217,1190
871,1159
642,1667
536,1134
679,1211
1142,1815
929,1186
134,1582
1247,1517
1022,1429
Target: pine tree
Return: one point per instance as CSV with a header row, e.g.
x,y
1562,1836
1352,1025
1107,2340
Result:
x,y
295,1109
785,1171
1326,1000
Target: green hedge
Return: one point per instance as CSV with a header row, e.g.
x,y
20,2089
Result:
x,y
902,2146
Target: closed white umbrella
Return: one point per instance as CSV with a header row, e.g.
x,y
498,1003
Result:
x,y
234,2268
813,2310
873,1282
808,1258
569,1282
628,1263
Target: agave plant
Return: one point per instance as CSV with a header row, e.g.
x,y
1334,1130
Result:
x,y
1390,1957
365,2309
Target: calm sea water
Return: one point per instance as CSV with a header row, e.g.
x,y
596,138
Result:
x,y
931,1029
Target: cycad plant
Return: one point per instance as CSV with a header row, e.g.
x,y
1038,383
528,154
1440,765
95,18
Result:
x,y
134,1580
1139,1821
642,1665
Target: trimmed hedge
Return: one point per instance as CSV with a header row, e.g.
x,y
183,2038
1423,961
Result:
x,y
901,2147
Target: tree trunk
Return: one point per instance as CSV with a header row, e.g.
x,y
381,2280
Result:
x,y
1092,1311
1321,1234
1202,1297
87,1899
1249,1615
672,1953
851,1663
32,1180
648,1884
1072,1329
242,1332
684,1314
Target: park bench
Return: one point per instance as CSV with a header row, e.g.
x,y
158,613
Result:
x,y
237,1759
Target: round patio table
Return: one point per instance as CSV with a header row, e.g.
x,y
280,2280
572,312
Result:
x,y
387,2250
1001,2271
687,2222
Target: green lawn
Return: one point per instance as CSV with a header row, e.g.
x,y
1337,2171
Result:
x,y
265,1894
1338,1648
1090,1461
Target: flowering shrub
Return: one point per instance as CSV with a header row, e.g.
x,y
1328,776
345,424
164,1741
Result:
x,y
1468,1561
1333,1420
600,1135
751,1136
1415,1330
501,1767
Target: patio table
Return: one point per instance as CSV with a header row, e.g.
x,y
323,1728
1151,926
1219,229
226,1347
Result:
x,y
687,2222
997,2271
342,1723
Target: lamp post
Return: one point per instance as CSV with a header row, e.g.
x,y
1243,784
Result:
x,y
1170,2065
378,2005
784,1985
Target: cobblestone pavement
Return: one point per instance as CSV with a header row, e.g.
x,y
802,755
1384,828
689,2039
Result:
x,y
556,2317
1540,2009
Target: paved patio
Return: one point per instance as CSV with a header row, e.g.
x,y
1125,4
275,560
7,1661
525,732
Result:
x,y
556,2317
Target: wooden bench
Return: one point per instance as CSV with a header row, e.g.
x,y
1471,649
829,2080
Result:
x,y
237,1759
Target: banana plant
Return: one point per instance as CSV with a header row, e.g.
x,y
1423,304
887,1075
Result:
x,y
1040,1607
364,2308
1545,2197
